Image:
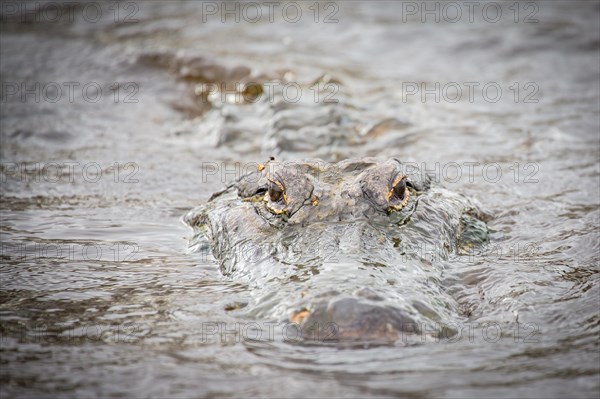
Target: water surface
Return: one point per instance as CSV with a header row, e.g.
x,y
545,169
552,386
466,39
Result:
x,y
101,294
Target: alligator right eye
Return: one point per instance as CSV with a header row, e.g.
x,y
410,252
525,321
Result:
x,y
398,195
275,191
276,200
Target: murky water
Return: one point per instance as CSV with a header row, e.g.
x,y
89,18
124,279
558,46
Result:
x,y
115,125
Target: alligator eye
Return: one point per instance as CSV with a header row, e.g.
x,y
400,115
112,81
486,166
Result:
x,y
398,194
275,191
399,190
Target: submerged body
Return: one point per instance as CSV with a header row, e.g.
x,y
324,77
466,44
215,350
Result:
x,y
342,249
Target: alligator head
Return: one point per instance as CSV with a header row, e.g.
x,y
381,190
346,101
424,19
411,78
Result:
x,y
343,250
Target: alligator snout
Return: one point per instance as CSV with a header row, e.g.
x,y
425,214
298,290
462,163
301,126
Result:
x,y
351,319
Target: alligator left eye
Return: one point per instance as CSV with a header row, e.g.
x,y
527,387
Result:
x,y
399,190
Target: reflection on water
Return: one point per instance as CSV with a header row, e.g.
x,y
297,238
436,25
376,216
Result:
x,y
114,127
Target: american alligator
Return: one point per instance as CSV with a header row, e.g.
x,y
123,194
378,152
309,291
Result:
x,y
343,249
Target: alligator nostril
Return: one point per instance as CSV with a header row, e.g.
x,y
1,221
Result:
x,y
351,319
